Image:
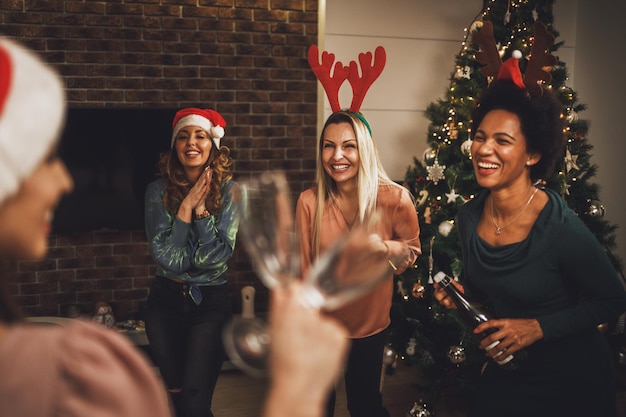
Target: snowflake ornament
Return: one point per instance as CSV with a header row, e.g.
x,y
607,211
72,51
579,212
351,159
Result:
x,y
435,172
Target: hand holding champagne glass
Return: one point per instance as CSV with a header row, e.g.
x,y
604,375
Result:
x,y
354,265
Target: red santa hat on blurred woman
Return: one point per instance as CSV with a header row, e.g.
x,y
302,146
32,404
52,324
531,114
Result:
x,y
207,119
32,113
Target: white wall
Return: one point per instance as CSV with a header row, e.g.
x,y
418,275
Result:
x,y
422,37
601,84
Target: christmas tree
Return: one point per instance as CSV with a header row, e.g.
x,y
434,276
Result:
x,y
425,334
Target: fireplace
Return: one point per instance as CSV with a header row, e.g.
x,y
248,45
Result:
x,y
112,156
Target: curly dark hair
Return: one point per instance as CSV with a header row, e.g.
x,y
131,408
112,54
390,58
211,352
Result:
x,y
540,118
177,185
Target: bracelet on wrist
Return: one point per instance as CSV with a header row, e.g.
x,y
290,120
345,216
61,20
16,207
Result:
x,y
391,264
202,215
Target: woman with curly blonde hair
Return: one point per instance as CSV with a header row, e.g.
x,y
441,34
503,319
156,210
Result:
x,y
191,226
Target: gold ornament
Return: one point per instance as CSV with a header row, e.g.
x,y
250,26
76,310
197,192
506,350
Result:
x,y
453,132
427,215
418,290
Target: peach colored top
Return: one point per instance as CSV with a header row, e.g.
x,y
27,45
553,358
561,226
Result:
x,y
82,369
369,314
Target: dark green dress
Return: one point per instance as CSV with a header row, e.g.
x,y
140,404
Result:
x,y
561,276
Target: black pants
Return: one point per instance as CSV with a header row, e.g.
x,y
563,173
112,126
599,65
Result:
x,y
186,340
362,378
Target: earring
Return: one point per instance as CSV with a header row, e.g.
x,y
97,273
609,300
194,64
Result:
x,y
528,163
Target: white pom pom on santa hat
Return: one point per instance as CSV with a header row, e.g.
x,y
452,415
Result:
x,y
207,119
32,113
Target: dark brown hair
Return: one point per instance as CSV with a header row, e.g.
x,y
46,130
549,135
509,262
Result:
x,y
540,120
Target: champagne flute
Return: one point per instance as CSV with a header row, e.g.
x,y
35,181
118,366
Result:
x,y
355,264
268,234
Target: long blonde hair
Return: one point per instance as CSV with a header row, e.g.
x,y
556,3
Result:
x,y
371,173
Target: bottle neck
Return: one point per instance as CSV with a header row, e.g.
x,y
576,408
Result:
x,y
476,313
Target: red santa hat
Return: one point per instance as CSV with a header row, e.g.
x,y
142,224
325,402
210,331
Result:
x,y
510,70
207,119
32,113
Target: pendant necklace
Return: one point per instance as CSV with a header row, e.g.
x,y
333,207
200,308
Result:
x,y
345,218
493,217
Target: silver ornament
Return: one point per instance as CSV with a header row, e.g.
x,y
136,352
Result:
x,y
430,155
445,227
571,116
466,147
456,354
596,209
419,409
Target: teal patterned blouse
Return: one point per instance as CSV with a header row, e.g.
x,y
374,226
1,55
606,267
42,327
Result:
x,y
195,252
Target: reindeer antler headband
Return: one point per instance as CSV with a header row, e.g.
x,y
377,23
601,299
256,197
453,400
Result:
x,y
360,83
539,65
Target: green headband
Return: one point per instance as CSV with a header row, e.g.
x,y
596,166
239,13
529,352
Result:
x,y
361,118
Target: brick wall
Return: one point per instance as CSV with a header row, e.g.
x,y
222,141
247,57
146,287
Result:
x,y
245,58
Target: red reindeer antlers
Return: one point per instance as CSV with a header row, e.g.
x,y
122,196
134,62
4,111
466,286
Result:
x,y
360,84
540,61
321,70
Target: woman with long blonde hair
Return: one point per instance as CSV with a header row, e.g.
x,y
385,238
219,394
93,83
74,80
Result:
x,y
352,186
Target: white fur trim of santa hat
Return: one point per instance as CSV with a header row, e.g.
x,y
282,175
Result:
x,y
32,113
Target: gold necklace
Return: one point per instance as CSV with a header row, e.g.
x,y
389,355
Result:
x,y
493,217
